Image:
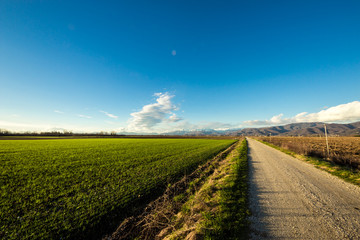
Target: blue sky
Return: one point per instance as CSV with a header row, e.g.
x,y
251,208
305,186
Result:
x,y
101,65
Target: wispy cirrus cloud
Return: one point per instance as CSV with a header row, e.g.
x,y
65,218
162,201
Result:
x,y
347,112
57,111
109,114
84,116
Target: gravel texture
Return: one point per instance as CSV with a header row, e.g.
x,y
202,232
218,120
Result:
x,y
291,199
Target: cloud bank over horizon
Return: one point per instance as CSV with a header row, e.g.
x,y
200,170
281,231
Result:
x,y
349,112
161,116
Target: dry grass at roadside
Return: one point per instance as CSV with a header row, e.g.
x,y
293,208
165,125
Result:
x,y
220,208
343,150
345,172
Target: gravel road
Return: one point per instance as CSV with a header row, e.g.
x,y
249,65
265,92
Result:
x,y
291,199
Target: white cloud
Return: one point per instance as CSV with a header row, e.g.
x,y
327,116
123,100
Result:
x,y
159,117
109,114
174,118
154,115
84,116
348,112
57,111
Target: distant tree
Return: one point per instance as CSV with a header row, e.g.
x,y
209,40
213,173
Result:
x,y
4,132
68,133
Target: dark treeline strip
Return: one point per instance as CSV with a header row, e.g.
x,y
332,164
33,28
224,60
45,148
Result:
x,y
8,135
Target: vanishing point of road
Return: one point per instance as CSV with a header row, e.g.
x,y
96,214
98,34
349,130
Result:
x,y
291,199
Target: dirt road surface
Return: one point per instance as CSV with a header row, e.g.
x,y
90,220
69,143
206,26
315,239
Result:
x,y
291,199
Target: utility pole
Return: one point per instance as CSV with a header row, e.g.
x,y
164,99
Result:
x,y
327,142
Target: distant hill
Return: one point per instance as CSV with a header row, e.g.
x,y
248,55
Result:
x,y
199,132
294,129
303,129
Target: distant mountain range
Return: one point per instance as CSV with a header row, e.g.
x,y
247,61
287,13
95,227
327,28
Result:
x,y
294,129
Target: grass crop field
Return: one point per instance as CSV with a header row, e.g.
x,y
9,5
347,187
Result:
x,y
74,188
343,150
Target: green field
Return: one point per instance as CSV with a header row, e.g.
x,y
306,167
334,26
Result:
x,y
75,188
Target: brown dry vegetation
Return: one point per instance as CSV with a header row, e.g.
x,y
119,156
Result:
x,y
343,150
